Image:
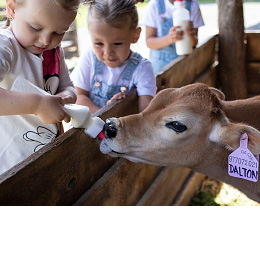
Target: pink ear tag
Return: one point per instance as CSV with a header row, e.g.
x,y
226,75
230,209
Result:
x,y
242,163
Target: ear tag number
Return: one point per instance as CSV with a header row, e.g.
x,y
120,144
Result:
x,y
242,163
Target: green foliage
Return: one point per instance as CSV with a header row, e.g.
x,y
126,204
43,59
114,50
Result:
x,y
2,11
227,196
2,3
202,198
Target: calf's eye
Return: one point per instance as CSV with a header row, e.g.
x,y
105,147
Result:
x,y
177,126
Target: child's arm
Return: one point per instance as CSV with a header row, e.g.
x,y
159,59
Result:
x,y
175,34
144,102
145,82
47,108
154,42
84,100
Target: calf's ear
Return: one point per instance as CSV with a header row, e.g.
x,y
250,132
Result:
x,y
229,136
218,93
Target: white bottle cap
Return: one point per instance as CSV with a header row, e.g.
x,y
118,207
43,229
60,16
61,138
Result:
x,y
95,128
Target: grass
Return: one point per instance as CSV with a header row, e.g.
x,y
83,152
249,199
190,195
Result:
x,y
216,193
203,198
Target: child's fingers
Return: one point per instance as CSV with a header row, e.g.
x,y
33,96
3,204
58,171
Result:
x,y
190,29
191,24
66,99
175,28
116,97
66,118
175,34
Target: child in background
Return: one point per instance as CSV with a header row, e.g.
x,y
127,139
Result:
x,y
30,48
111,69
161,35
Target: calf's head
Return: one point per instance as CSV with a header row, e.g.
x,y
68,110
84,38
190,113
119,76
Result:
x,y
180,127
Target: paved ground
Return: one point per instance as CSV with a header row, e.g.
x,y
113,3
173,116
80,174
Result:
x,y
210,16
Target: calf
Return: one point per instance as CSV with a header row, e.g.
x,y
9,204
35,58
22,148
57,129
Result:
x,y
193,127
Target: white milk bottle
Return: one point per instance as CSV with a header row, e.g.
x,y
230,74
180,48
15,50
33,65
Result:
x,y
81,118
181,17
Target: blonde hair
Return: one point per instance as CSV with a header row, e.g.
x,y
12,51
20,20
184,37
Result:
x,y
115,12
71,5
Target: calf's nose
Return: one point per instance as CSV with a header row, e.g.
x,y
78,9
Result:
x,y
110,129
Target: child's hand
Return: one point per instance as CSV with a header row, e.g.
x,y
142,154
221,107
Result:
x,y
68,96
175,34
50,110
190,30
117,96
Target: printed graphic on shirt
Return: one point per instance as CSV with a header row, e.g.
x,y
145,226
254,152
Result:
x,y
51,74
41,137
51,70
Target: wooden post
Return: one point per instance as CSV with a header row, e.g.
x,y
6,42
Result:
x,y
232,49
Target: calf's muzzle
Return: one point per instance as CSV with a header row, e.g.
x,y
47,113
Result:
x,y
110,129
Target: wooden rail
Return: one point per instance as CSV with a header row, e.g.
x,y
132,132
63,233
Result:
x,y
253,62
72,171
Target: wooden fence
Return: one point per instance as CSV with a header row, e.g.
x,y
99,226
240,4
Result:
x,y
253,62
72,171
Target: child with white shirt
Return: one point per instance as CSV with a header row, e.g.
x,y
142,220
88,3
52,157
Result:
x,y
30,48
109,70
161,35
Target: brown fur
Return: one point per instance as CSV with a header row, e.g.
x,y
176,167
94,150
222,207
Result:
x,y
214,128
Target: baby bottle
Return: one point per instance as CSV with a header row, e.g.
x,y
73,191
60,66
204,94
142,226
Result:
x,y
81,118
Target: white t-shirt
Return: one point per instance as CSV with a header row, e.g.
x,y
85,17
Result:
x,y
143,76
152,18
22,135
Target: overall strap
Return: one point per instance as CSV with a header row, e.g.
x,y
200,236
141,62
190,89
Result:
x,y
98,65
161,6
188,5
133,62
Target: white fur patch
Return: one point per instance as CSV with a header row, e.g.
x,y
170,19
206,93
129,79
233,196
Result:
x,y
104,147
214,135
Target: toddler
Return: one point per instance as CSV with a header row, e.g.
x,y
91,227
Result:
x,y
110,69
161,35
30,48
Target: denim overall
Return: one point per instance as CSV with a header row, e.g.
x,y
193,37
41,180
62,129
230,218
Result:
x,y
161,57
100,91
